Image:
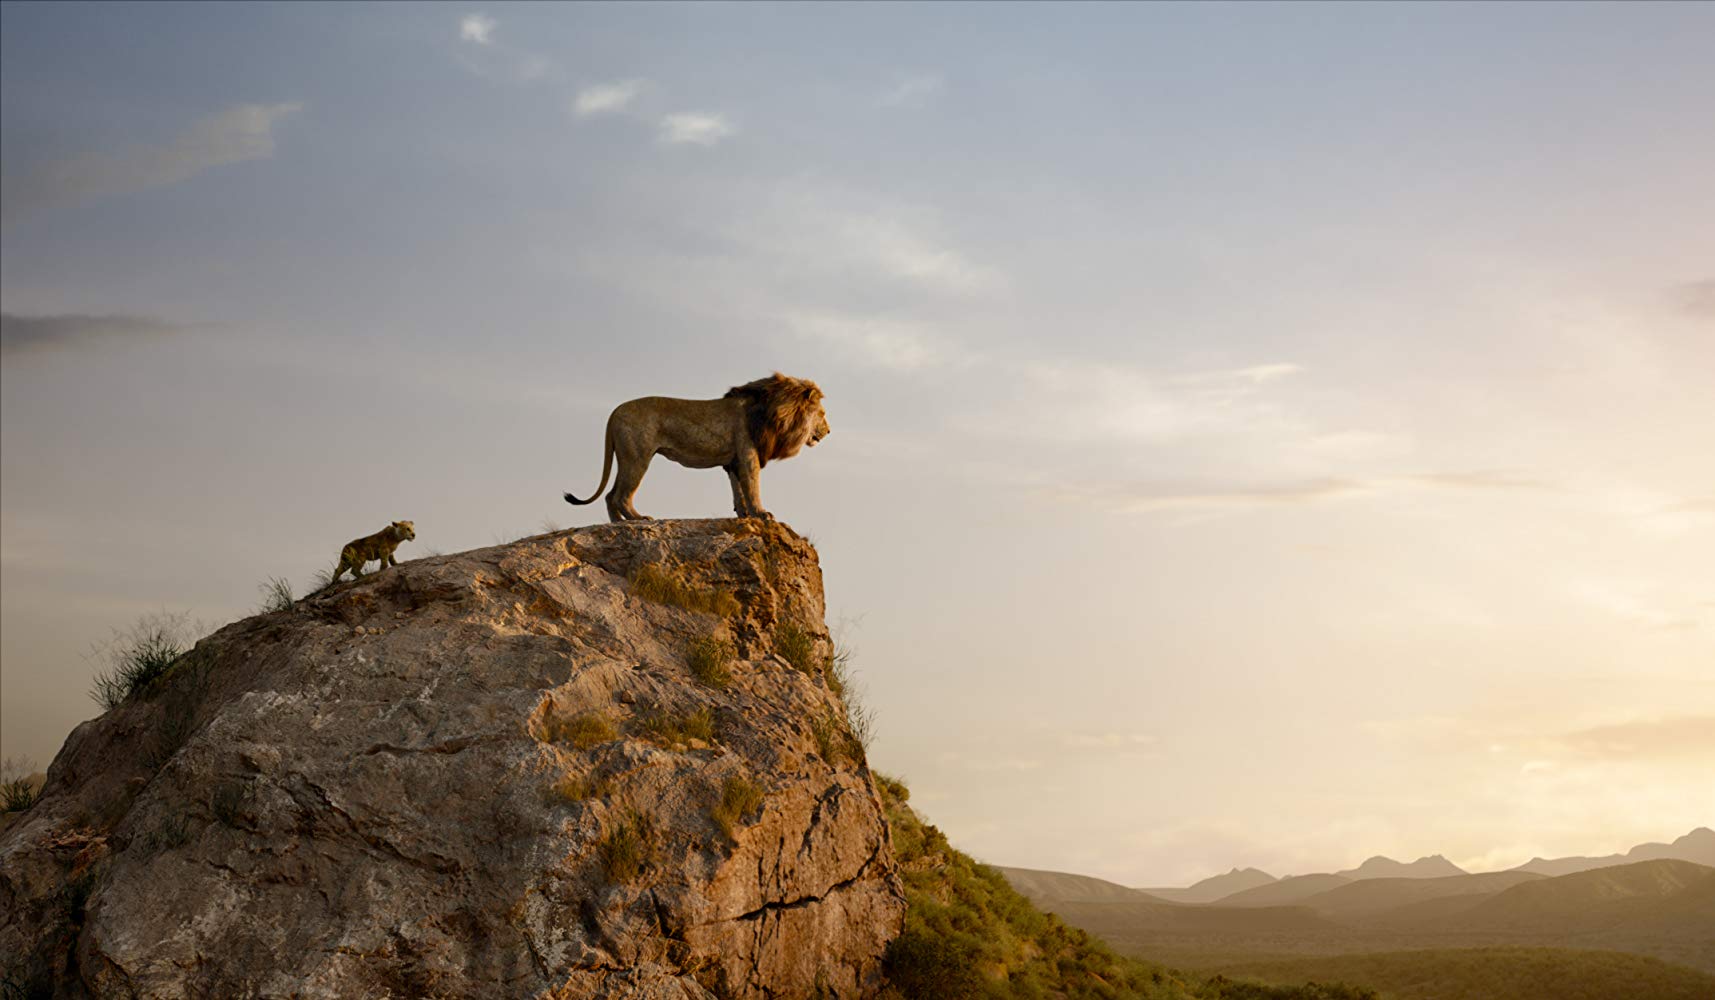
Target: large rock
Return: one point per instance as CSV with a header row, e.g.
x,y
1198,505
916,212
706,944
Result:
x,y
380,792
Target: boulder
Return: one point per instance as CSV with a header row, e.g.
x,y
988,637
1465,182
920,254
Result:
x,y
490,774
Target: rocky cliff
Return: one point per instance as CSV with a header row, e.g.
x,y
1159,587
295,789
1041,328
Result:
x,y
502,773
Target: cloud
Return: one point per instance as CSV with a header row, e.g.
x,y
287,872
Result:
x,y
606,98
1485,479
478,28
1676,736
44,333
240,133
901,346
1696,298
911,90
696,128
1635,601
1149,497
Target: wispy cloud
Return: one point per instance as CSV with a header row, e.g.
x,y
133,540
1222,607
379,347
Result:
x,y
240,133
695,128
1675,736
477,28
19,334
899,345
606,98
1696,298
911,90
1149,497
1635,601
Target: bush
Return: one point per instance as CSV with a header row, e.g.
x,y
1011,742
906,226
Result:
x,y
739,796
708,658
276,595
794,644
665,584
581,731
138,658
629,847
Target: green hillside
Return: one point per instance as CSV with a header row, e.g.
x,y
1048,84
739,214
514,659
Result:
x,y
1496,974
970,936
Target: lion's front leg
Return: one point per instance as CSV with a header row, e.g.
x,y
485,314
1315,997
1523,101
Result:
x,y
749,483
739,507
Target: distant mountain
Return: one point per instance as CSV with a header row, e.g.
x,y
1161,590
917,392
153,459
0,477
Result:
x,y
1215,886
1367,897
1698,847
1434,866
1046,888
1285,892
1597,899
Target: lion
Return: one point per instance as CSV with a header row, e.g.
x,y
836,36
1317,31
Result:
x,y
753,424
374,548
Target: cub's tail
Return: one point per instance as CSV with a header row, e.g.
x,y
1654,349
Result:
x,y
606,468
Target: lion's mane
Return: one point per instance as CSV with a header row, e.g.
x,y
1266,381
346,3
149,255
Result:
x,y
782,413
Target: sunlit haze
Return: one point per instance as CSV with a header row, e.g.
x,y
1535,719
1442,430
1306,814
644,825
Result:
x,y
1262,435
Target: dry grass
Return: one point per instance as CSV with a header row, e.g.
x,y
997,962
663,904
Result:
x,y
571,789
665,584
276,595
669,728
832,740
794,644
739,797
581,731
629,847
708,659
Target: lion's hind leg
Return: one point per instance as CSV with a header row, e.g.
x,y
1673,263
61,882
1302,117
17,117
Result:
x,y
619,505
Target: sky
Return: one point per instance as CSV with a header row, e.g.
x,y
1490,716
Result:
x,y
1262,435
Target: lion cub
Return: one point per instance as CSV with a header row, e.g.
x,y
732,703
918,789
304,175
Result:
x,y
374,548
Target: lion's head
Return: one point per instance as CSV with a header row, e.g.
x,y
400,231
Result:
x,y
784,413
404,530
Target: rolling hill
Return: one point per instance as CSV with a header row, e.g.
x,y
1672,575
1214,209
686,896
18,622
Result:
x,y
1494,974
1215,886
1358,900
1698,846
1433,866
1286,892
1045,887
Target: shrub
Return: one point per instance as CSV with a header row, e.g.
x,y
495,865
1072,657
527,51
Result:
x,y
708,658
629,847
276,595
739,796
138,657
794,644
664,584
669,728
581,731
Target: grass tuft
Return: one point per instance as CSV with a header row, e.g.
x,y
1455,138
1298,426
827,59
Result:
x,y
833,742
139,657
664,584
629,847
276,595
794,644
17,791
670,728
581,731
572,789
739,797
708,659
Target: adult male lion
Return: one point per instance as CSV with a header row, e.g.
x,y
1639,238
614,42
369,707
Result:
x,y
752,425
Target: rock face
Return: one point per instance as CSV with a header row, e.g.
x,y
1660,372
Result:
x,y
480,775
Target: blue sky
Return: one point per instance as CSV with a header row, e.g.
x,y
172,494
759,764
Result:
x,y
1263,434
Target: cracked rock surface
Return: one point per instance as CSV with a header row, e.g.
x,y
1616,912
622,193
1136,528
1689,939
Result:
x,y
451,778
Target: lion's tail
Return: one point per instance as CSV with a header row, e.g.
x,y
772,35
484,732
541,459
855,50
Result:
x,y
606,468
